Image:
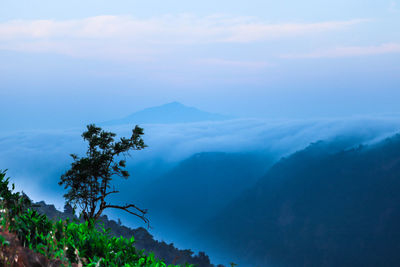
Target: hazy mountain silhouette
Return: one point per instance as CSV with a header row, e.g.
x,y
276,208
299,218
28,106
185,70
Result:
x,y
173,112
318,208
198,187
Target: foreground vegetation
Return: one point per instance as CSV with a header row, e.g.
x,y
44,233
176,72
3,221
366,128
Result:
x,y
70,242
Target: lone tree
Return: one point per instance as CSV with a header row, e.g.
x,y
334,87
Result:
x,y
89,179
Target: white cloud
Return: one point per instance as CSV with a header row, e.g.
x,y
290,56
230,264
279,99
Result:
x,y
393,7
252,32
45,154
350,51
234,63
129,37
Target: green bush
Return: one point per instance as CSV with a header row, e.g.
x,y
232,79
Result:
x,y
71,242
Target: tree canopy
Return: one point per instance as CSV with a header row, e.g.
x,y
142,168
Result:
x,y
89,179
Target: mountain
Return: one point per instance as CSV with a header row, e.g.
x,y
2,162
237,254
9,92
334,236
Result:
x,y
196,189
173,112
318,208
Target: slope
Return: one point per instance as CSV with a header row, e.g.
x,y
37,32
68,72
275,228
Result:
x,y
317,208
199,186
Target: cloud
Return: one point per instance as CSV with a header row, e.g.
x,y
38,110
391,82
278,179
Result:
x,y
173,142
252,32
38,158
350,51
130,37
234,63
393,7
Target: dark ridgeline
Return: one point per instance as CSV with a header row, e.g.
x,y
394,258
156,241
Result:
x,y
195,190
143,239
318,208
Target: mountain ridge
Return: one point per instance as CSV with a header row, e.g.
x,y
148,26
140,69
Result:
x,y
317,208
173,112
203,177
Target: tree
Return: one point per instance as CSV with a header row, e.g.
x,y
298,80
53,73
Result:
x,y
89,179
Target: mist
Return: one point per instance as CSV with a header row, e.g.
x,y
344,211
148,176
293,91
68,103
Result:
x,y
36,159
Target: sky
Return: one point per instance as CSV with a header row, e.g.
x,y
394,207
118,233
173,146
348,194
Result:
x,y
67,63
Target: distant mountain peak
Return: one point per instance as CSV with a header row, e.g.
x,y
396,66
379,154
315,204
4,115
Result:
x,y
174,103
173,112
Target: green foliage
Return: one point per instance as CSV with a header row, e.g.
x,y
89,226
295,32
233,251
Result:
x,y
3,241
71,242
11,203
89,179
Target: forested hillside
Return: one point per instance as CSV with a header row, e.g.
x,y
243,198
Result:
x,y
318,208
200,186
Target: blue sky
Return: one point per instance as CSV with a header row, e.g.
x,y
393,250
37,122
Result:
x,y
72,62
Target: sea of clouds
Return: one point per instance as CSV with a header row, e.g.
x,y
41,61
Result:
x,y
36,159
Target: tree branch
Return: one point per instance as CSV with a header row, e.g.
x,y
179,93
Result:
x,y
106,194
126,208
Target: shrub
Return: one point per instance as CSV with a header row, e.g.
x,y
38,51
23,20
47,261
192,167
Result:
x,y
68,241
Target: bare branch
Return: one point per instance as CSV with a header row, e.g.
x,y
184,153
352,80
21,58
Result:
x,y
106,194
126,208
